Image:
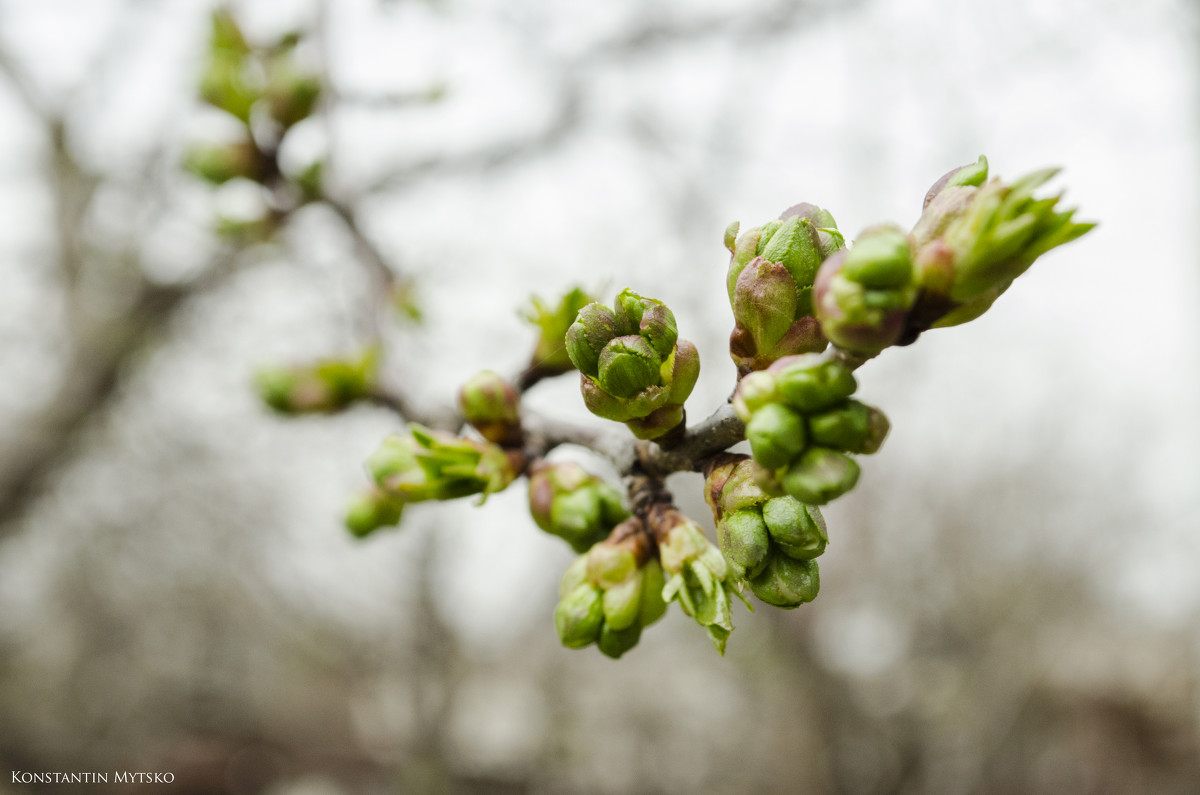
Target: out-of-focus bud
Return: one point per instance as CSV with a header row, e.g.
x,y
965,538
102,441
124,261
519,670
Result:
x,y
431,465
786,582
697,575
862,295
325,386
371,510
776,435
633,367
580,616
219,164
493,407
820,475
566,501
290,95
854,427
226,83
629,581
550,353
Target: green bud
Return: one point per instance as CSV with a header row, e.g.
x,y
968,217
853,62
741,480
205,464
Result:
x,y
820,475
588,335
972,174
622,603
492,405
609,565
754,391
744,249
810,382
795,246
797,529
627,366
290,96
776,435
854,427
615,642
881,259
731,232
582,516
651,604
787,582
658,328
681,371
744,542
573,577
430,465
764,302
370,511
579,617
219,164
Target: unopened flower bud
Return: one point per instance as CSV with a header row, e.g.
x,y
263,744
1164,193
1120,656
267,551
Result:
x,y
764,302
219,164
744,542
972,174
652,606
811,382
776,435
579,616
862,295
622,602
370,511
820,475
854,428
615,642
587,336
795,246
492,405
627,365
786,582
754,391
798,529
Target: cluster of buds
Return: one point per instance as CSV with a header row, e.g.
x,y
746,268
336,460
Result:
x,y
422,464
771,273
633,367
974,237
610,594
265,89
769,542
801,422
567,502
697,574
237,76
492,405
550,353
323,387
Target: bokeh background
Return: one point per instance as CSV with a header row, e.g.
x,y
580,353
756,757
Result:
x,y
1011,596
